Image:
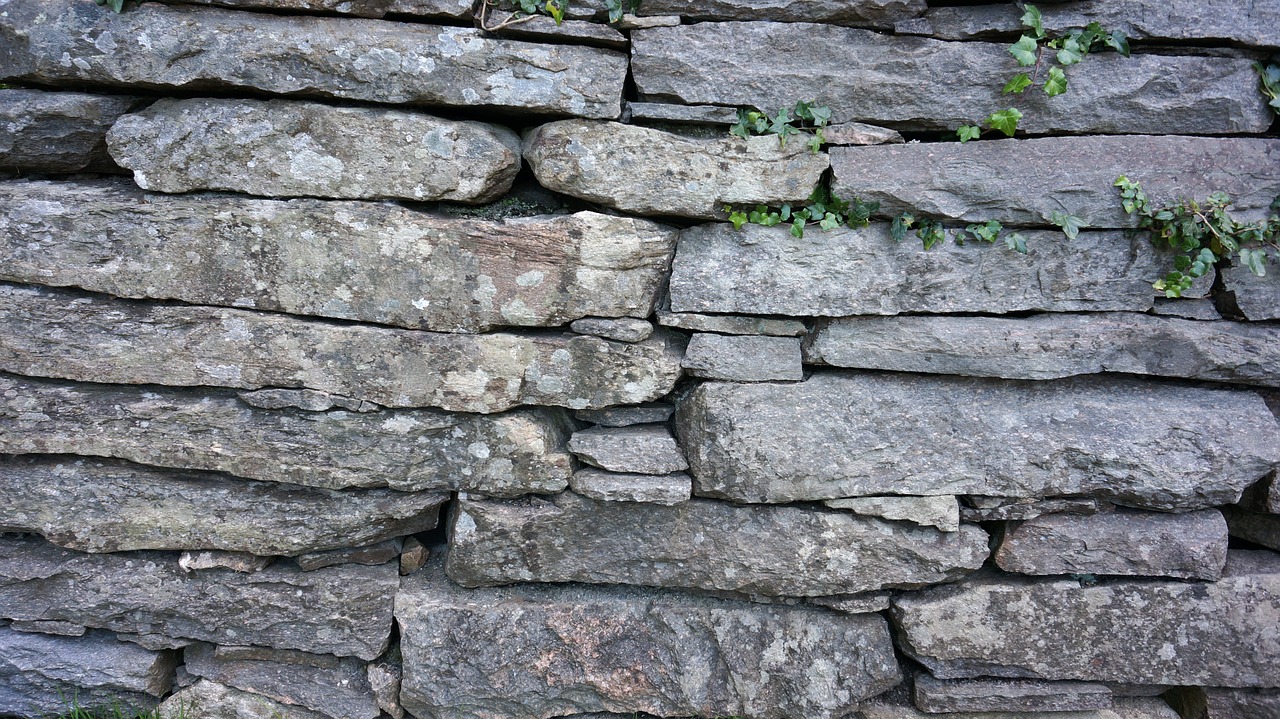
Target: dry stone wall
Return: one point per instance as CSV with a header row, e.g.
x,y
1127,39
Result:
x,y
360,361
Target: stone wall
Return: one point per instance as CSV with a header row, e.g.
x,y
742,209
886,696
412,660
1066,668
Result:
x,y
357,362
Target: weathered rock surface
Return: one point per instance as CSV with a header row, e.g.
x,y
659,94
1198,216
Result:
x,y
40,673
1122,708
854,603
343,610
46,332
669,174
544,651
743,358
942,512
1006,695
650,413
667,489
336,687
113,506
772,551
58,131
371,554
732,324
1262,529
1049,346
626,329
217,559
511,454
719,64
199,49
1075,175
639,449
452,9
858,133
1137,631
764,270
210,700
349,260
1218,703
1262,497
691,114
847,435
543,28
1246,294
1000,509
1191,309
880,14
287,148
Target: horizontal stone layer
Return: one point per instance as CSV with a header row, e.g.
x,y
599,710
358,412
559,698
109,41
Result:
x,y
1220,634
335,687
880,14
54,333
218,701
453,9
1006,695
343,610
1140,707
847,435
511,454
876,78
362,261
743,358
772,551
535,652
194,49
1048,346
58,131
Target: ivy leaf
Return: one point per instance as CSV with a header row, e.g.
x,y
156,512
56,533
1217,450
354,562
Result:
x,y
821,115
797,229
1024,50
1255,260
1020,82
1071,52
968,132
1056,84
815,142
1005,121
1032,19
1070,224
931,233
1118,41
901,223
1016,242
556,12
738,218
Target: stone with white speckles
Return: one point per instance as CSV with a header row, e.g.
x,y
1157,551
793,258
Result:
x,y
336,687
668,489
941,511
639,449
625,329
58,131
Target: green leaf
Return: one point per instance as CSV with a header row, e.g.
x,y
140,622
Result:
x,y
821,115
1056,84
1024,50
1005,121
1016,242
968,132
738,218
797,229
931,233
1118,41
901,223
1031,18
1070,224
1020,82
1255,260
1071,52
556,12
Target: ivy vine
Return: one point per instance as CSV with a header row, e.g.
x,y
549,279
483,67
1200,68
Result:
x,y
808,121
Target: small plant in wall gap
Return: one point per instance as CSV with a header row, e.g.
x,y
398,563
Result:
x,y
525,10
808,121
823,209
1269,79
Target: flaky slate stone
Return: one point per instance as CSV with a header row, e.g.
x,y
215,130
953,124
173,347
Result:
x,y
343,610
203,49
58,131
335,687
348,260
880,14
372,554
853,603
1000,509
764,270
1141,631
1261,529
667,489
625,329
941,511
1006,695
875,78
511,454
1219,703
218,559
55,333
1191,309
1076,175
669,174
772,551
858,133
649,413
288,148
1048,346
543,28
1250,296
642,449
743,358
534,652
732,324
210,700
690,114
453,9
1122,708
112,506
848,435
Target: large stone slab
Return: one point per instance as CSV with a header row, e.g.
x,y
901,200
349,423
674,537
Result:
x,y
670,174
535,652
112,506
203,49
1048,346
452,9
1075,175
58,131
1125,630
348,260
773,551
211,700
335,687
54,333
879,14
343,610
938,696
1250,296
1145,707
875,78
847,435
764,270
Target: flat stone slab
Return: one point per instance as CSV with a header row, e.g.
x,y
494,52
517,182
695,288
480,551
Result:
x,y
848,435
942,511
203,49
638,449
535,652
372,554
289,148
1109,93
1253,297
743,358
626,329
1002,509
372,262
219,559
210,700
58,131
511,454
55,333
854,603
858,133
667,489
1006,695
1048,346
880,14
453,9
702,544
1147,544
1261,529
544,28
1122,708
732,324
690,114
650,413
1140,631
970,182
336,687
764,270
343,610
670,174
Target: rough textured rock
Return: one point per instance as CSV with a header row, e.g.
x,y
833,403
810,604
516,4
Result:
x,y
216,559
772,551
1049,346
1004,509
639,449
719,64
669,174
764,270
510,454
696,114
113,506
854,603
857,133
541,28
1262,497
287,148
543,651
58,131
1247,295
372,554
743,358
1217,703
1261,529
1131,630
627,329
343,610
668,489
338,688
40,674
210,700
732,325
452,9
651,413
46,332
1191,309
384,678
880,14
1075,175
847,435
349,260
199,49
1006,695
1126,708
942,511
414,556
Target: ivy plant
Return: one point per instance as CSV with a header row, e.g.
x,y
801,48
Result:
x,y
931,232
806,119
823,209
1269,79
116,5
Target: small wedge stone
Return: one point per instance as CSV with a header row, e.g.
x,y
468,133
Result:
x,y
214,559
1261,529
858,133
696,114
732,324
942,511
1003,508
626,329
668,489
854,603
638,449
413,556
653,413
743,358
373,554
1245,294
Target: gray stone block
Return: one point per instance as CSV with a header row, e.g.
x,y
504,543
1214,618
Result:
x,y
638,449
58,131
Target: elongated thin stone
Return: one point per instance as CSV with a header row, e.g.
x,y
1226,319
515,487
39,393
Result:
x,y
1006,695
338,688
58,131
743,358
879,14
218,701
